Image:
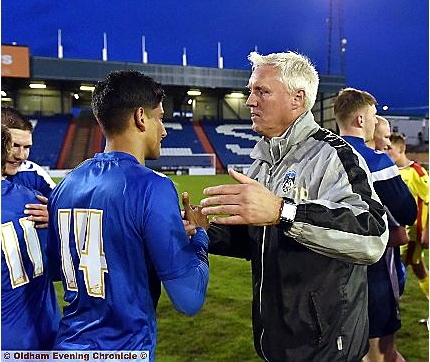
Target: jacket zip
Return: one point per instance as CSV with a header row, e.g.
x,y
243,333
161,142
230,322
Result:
x,y
261,289
267,185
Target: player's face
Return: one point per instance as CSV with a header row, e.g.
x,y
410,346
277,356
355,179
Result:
x,y
370,121
382,137
21,144
270,103
155,132
394,151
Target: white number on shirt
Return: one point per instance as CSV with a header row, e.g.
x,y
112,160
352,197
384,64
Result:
x,y
89,247
13,255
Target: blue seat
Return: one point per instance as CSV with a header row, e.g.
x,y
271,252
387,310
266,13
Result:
x,y
232,140
48,138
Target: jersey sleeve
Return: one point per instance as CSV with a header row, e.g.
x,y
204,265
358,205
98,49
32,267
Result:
x,y
168,245
393,191
181,264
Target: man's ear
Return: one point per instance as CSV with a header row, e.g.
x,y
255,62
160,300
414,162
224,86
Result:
x,y
359,121
139,118
299,98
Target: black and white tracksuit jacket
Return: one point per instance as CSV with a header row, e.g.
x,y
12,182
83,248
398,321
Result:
x,y
309,285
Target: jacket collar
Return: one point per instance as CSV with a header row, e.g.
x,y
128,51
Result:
x,y
276,148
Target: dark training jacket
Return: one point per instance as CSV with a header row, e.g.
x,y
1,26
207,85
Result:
x,y
309,285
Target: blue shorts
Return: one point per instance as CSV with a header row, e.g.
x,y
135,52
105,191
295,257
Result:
x,y
384,315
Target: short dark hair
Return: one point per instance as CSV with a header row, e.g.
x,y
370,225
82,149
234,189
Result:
x,y
6,145
12,118
119,94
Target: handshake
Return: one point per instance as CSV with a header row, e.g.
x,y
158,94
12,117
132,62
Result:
x,y
246,202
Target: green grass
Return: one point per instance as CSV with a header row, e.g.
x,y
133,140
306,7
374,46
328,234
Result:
x,y
222,330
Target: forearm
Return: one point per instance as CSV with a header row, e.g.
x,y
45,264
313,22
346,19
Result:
x,y
187,292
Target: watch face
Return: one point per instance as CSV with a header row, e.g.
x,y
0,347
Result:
x,y
288,212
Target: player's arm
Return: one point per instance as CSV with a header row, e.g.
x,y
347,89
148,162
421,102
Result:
x,y
187,292
180,262
396,196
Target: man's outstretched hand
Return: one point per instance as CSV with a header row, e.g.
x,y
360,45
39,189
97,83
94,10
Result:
x,y
245,203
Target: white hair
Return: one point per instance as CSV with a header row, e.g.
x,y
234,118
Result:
x,y
297,72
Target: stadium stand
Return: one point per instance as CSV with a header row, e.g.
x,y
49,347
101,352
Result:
x,y
232,140
180,148
83,139
48,138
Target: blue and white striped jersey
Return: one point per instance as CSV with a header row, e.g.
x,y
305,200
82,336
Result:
x,y
388,184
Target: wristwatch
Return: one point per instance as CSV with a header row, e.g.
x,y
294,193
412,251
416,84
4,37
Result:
x,y
287,213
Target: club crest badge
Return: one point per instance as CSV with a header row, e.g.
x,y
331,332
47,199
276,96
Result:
x,y
289,179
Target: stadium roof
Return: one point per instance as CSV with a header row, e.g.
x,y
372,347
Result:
x,y
90,71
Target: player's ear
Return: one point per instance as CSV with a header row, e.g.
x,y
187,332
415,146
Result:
x,y
139,118
359,121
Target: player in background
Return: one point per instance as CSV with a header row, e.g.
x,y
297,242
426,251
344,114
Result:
x,y
29,310
20,170
115,222
355,113
416,177
398,235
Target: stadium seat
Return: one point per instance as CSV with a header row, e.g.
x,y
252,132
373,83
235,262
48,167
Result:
x,y
48,137
181,141
232,140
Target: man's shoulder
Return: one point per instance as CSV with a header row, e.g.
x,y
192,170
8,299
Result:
x,y
33,176
418,169
384,160
30,166
377,160
18,193
122,175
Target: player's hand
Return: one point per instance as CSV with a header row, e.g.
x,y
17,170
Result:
x,y
190,229
246,203
38,212
193,215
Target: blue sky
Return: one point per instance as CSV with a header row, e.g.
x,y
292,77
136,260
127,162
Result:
x,y
387,49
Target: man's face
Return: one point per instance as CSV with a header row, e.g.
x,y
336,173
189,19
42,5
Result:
x,y
370,121
382,136
272,107
21,144
395,151
155,132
